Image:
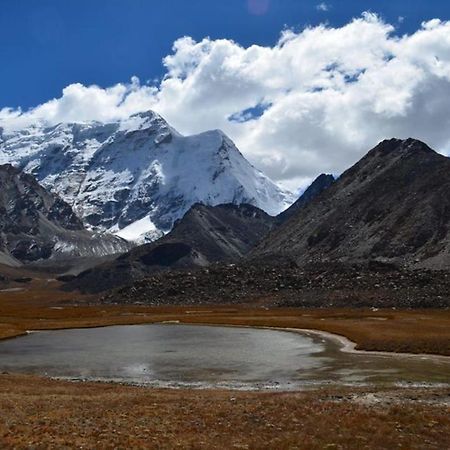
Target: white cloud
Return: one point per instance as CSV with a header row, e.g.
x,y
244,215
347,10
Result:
x,y
314,102
323,7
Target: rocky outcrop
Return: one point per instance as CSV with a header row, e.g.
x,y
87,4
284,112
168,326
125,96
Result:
x,y
36,224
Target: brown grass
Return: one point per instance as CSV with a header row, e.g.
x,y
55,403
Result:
x,y
40,413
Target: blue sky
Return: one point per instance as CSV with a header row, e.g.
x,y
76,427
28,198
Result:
x,y
46,45
302,87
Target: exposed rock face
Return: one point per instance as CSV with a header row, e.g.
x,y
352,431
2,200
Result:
x,y
393,205
137,176
322,182
205,235
36,224
222,233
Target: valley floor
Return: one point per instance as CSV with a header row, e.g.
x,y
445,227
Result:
x,y
44,413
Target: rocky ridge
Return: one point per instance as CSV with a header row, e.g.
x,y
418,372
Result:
x,y
393,205
320,184
205,235
36,224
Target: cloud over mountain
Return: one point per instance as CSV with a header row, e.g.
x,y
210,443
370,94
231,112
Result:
x,y
311,103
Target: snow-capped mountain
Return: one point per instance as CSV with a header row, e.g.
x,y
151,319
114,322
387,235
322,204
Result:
x,y
136,176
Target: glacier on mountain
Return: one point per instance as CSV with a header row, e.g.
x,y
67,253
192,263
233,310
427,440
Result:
x,y
135,177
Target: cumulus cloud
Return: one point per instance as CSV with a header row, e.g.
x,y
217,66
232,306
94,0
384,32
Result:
x,y
323,7
80,103
314,102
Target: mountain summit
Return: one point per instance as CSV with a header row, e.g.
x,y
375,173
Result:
x,y
322,182
393,205
136,176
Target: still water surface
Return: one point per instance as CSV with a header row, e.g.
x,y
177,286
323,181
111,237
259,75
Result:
x,y
208,356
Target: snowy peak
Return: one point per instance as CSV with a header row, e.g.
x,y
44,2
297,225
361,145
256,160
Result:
x,y
136,176
151,123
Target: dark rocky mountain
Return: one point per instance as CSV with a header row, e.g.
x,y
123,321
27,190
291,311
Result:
x,y
37,225
205,235
392,206
322,182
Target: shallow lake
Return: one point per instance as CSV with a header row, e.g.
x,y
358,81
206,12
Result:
x,y
209,356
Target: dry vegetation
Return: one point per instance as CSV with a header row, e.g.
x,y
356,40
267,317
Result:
x,y
40,413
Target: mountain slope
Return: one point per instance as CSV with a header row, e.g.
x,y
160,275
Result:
x,y
138,176
36,224
394,205
322,182
206,234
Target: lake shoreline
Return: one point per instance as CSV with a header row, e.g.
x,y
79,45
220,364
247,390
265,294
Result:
x,y
346,344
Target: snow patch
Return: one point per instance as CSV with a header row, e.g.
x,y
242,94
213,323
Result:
x,y
141,231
